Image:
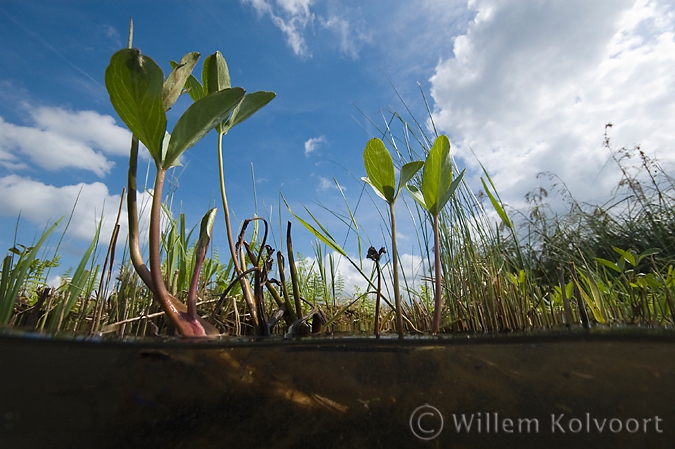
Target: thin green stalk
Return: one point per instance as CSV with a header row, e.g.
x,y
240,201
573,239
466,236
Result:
x,y
294,272
394,256
438,293
282,277
238,266
132,210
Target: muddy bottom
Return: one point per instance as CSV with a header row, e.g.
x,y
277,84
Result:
x,y
611,389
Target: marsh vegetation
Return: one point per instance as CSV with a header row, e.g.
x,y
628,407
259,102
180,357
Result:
x,y
487,268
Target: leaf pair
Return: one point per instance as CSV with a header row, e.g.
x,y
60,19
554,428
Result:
x,y
141,97
630,256
216,77
380,169
437,183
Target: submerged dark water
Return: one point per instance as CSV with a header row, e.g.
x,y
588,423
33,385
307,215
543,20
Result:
x,y
609,389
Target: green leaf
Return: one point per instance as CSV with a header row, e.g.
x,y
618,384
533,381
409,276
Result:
x,y
206,228
653,282
648,252
249,105
380,169
375,189
175,163
134,83
594,302
215,74
175,82
500,210
16,251
198,120
407,172
451,190
628,256
195,88
417,195
609,264
437,175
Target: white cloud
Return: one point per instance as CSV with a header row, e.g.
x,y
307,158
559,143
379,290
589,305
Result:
x,y
295,17
291,16
352,37
325,184
61,139
42,203
98,131
312,144
531,86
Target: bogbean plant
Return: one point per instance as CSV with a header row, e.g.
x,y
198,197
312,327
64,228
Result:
x,y
141,96
216,78
381,177
435,191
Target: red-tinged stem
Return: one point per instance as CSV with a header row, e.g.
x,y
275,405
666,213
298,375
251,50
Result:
x,y
185,324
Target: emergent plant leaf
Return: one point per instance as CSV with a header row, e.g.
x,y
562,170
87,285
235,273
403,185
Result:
x,y
380,169
215,74
134,83
206,228
175,82
198,120
248,106
437,175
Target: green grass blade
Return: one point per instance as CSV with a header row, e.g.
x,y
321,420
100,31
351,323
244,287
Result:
x,y
325,238
498,207
18,275
76,285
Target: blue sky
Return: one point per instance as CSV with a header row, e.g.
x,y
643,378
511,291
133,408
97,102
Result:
x,y
527,85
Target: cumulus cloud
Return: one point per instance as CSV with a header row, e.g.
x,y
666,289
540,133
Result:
x,y
531,86
60,139
291,16
312,144
99,131
42,203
